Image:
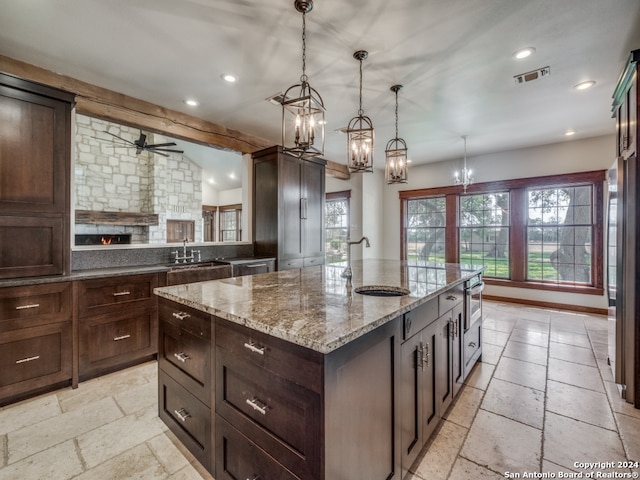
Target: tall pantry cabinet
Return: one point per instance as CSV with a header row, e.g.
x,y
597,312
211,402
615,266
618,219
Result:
x,y
35,145
288,208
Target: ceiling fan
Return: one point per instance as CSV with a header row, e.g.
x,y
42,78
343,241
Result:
x,y
141,145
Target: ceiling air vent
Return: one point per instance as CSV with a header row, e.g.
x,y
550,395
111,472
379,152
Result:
x,y
533,75
276,99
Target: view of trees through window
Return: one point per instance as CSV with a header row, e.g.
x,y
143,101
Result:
x,y
230,230
484,232
559,234
425,224
336,229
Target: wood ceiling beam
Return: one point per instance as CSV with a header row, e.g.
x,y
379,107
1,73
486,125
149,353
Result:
x,y
106,104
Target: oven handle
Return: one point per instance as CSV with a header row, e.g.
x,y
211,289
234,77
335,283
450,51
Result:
x,y
476,289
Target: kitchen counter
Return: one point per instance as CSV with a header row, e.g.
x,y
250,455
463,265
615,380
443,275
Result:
x,y
313,307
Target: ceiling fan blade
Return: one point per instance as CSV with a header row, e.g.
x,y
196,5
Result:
x,y
157,152
164,150
120,138
170,144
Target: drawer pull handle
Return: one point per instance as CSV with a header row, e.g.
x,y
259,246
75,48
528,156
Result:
x,y
257,477
453,298
472,344
182,414
181,315
257,405
121,337
28,359
183,357
256,265
24,307
255,349
121,294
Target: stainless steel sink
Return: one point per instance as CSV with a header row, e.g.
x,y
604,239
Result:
x,y
382,291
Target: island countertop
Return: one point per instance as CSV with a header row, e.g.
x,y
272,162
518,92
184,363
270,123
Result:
x,y
315,307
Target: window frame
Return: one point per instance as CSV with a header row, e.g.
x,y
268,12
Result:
x,y
237,208
518,212
338,196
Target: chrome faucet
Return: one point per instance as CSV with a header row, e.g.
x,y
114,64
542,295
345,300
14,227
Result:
x,y
184,256
347,273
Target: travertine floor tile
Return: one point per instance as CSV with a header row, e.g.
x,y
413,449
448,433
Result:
x,y
103,443
55,430
571,338
480,375
571,353
605,370
532,338
499,324
138,462
516,402
28,412
599,336
463,469
567,441
466,406
190,472
532,325
619,404
630,431
138,398
442,453
491,353
559,325
60,462
523,373
168,453
494,337
550,467
526,352
575,374
600,350
503,444
579,403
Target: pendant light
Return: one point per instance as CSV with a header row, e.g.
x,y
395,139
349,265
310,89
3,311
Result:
x,y
302,107
396,153
464,178
360,133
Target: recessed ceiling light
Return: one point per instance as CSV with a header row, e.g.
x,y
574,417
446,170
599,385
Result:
x,y
232,175
191,102
524,53
211,180
584,85
568,133
229,77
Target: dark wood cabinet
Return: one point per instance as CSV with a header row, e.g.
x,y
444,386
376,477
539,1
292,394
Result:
x,y
625,108
35,339
288,208
117,322
35,159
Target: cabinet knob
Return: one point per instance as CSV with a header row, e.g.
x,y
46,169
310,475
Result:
x,y
254,348
182,414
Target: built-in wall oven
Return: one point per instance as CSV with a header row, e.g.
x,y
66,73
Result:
x,y
473,300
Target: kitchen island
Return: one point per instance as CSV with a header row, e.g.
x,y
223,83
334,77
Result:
x,y
293,374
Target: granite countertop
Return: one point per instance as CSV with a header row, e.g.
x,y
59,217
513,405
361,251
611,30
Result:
x,y
313,306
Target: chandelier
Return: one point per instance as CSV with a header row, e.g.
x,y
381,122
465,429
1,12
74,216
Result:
x,y
360,133
464,178
396,153
302,107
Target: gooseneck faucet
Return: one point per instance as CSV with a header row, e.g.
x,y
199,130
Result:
x,y
347,273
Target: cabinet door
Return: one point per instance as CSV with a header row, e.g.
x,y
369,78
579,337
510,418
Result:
x,y
444,362
34,152
412,370
632,113
290,236
430,414
313,209
457,362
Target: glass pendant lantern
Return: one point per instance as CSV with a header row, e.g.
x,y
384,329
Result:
x,y
464,177
396,153
360,138
302,107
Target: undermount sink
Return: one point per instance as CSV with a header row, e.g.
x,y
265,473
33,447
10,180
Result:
x,y
382,291
182,266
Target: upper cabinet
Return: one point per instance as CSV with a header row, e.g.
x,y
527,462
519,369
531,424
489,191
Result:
x,y
625,108
288,208
35,132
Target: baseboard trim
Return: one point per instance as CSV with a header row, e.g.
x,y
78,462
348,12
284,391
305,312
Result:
x,y
538,303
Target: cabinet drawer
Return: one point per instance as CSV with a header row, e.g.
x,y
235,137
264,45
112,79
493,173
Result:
x,y
282,417
109,341
187,358
34,305
287,360
290,263
115,294
237,457
450,299
472,346
418,318
185,318
311,261
187,417
34,358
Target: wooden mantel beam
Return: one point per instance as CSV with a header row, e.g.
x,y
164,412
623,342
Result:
x,y
113,106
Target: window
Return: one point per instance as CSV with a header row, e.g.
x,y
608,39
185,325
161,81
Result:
x,y
425,229
484,232
336,226
230,223
559,234
542,232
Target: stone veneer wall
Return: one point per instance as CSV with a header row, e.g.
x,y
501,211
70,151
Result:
x,y
109,176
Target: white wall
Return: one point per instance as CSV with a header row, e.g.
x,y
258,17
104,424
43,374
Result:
x,y
375,206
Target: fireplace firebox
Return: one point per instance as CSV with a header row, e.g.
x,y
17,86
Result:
x,y
103,239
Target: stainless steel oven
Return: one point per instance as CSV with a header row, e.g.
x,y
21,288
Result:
x,y
473,300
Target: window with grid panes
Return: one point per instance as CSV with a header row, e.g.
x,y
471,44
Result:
x,y
425,224
336,216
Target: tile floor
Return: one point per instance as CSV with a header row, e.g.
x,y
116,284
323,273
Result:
x,y
541,400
